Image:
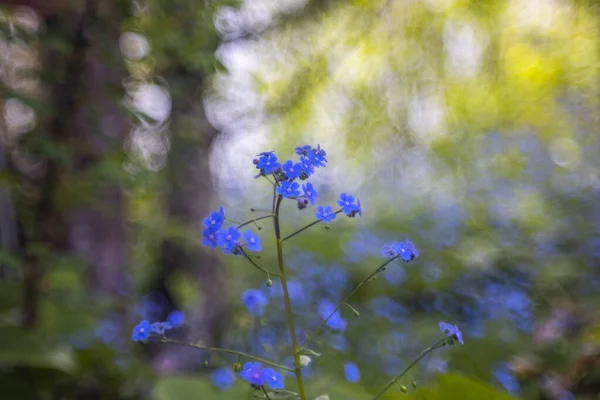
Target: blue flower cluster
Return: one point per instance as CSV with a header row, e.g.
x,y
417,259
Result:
x,y
144,329
257,376
228,239
406,250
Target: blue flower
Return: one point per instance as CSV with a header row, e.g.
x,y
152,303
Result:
x,y
274,378
351,372
317,156
228,238
253,374
267,163
141,331
210,238
390,250
303,150
289,189
347,203
310,193
291,170
452,332
176,318
357,209
252,241
161,327
506,378
336,322
107,331
255,301
214,221
223,378
325,214
307,167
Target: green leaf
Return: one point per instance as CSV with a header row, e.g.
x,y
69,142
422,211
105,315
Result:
x,y
22,348
177,388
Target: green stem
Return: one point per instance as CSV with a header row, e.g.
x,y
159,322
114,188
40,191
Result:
x,y
254,220
288,305
423,354
247,257
235,352
305,228
345,300
265,392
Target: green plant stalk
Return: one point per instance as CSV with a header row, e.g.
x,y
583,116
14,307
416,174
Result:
x,y
415,362
220,350
305,228
345,300
288,305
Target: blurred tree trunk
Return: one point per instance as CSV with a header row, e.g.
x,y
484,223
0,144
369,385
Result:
x,y
77,207
190,190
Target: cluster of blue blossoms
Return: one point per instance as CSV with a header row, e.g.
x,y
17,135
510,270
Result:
x,y
144,329
406,250
257,376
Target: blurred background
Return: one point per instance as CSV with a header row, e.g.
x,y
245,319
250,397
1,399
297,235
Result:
x,y
470,127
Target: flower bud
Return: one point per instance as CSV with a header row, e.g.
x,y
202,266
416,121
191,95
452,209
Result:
x,y
269,282
237,367
205,363
304,360
403,389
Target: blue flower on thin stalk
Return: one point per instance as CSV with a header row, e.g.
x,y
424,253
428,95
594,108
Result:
x,y
325,214
274,378
210,238
307,167
253,374
228,238
303,150
267,163
289,189
160,327
346,202
317,156
214,221
310,193
291,170
452,332
252,241
141,331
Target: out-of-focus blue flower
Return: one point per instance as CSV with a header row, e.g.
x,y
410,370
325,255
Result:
x,y
227,238
267,163
210,238
273,378
336,322
388,308
214,221
334,280
255,301
141,331
310,193
452,331
253,374
176,318
296,293
160,327
252,241
395,276
223,378
107,331
346,202
503,374
351,372
338,342
289,189
292,170
390,250
325,214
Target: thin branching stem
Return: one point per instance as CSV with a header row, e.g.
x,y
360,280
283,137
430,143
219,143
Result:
x,y
228,351
428,350
254,220
288,304
247,257
305,228
345,300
